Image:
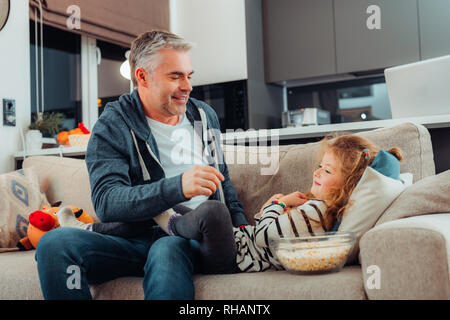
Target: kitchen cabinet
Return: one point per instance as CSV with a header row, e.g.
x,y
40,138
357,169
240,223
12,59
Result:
x,y
298,39
434,26
360,48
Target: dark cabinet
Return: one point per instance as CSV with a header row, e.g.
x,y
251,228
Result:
x,y
298,39
434,22
360,47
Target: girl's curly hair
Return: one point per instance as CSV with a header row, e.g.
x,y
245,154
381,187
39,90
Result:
x,y
349,151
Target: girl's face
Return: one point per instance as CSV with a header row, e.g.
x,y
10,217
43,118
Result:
x,y
327,176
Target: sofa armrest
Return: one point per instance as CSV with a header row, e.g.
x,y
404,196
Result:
x,y
408,258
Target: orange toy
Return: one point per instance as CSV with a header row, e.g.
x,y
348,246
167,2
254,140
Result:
x,y
42,221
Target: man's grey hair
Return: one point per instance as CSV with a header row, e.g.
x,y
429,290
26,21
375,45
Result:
x,y
145,49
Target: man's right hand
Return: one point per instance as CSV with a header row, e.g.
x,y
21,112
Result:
x,y
200,180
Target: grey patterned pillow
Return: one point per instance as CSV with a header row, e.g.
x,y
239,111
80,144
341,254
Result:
x,y
20,195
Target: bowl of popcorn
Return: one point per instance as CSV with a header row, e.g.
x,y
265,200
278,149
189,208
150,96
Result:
x,y
321,253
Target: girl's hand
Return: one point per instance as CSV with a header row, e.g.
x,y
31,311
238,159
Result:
x,y
293,199
272,198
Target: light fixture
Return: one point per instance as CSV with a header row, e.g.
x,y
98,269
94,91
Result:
x,y
363,116
125,67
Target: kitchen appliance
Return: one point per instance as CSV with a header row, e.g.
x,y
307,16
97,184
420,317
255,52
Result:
x,y
419,89
305,117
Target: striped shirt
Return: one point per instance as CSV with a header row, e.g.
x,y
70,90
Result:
x,y
253,251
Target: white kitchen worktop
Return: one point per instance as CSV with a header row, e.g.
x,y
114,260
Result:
x,y
438,121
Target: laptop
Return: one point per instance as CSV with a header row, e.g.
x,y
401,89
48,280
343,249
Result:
x,y
420,88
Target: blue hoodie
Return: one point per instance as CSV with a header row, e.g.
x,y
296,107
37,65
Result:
x,y
127,180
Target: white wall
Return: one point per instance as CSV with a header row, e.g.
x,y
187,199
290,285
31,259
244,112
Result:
x,y
14,79
217,27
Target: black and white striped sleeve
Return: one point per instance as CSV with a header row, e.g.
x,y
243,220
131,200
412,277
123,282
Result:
x,y
268,220
305,219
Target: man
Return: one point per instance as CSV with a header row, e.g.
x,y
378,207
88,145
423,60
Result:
x,y
135,177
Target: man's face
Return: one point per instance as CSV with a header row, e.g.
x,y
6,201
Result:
x,y
165,92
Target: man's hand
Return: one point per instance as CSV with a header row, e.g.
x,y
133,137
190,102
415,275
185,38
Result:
x,y
200,180
293,199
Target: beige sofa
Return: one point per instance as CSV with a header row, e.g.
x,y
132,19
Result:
x,y
410,243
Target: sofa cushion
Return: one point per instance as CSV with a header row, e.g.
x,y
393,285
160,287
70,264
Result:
x,y
295,163
345,284
64,179
370,198
427,196
19,280
21,195
18,276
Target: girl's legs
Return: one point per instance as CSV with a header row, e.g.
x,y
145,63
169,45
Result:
x,y
210,224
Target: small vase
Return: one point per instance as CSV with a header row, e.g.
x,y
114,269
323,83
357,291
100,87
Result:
x,y
34,140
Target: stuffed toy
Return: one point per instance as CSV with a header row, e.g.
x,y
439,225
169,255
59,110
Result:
x,y
42,221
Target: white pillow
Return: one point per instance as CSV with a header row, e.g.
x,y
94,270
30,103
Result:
x,y
371,197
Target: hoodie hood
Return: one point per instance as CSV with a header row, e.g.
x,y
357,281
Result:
x,y
130,108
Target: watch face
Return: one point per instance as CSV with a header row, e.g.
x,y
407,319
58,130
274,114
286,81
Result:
x,y
4,12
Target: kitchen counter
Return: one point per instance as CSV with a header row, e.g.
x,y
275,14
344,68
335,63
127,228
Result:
x,y
438,121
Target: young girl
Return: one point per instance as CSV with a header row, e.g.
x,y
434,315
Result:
x,y
225,249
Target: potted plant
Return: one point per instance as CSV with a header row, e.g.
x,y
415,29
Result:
x,y
44,124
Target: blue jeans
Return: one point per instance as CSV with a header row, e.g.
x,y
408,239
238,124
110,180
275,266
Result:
x,y
70,259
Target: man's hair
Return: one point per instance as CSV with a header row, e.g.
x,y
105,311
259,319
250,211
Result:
x,y
145,48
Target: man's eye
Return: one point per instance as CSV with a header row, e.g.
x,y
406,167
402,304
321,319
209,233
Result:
x,y
327,171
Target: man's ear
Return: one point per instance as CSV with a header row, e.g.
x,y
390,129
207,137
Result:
x,y
142,77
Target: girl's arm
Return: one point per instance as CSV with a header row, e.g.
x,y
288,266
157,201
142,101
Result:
x,y
274,224
268,202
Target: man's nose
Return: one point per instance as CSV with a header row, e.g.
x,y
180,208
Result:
x,y
185,85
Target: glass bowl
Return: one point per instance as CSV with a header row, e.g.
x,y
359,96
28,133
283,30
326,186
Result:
x,y
321,253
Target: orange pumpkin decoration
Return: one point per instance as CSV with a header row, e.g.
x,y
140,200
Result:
x,y
75,131
63,137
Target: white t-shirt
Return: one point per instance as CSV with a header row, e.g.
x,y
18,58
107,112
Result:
x,y
179,150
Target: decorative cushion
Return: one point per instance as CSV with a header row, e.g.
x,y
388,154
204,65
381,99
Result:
x,y
20,196
370,198
427,196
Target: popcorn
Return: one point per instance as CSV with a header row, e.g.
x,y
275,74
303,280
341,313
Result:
x,y
313,256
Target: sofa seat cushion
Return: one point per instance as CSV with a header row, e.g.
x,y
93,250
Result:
x,y
19,278
346,284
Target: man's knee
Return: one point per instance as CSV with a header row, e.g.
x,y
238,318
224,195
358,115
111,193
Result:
x,y
56,243
168,246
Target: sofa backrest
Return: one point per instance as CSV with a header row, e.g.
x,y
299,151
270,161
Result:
x,y
63,179
67,180
296,163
